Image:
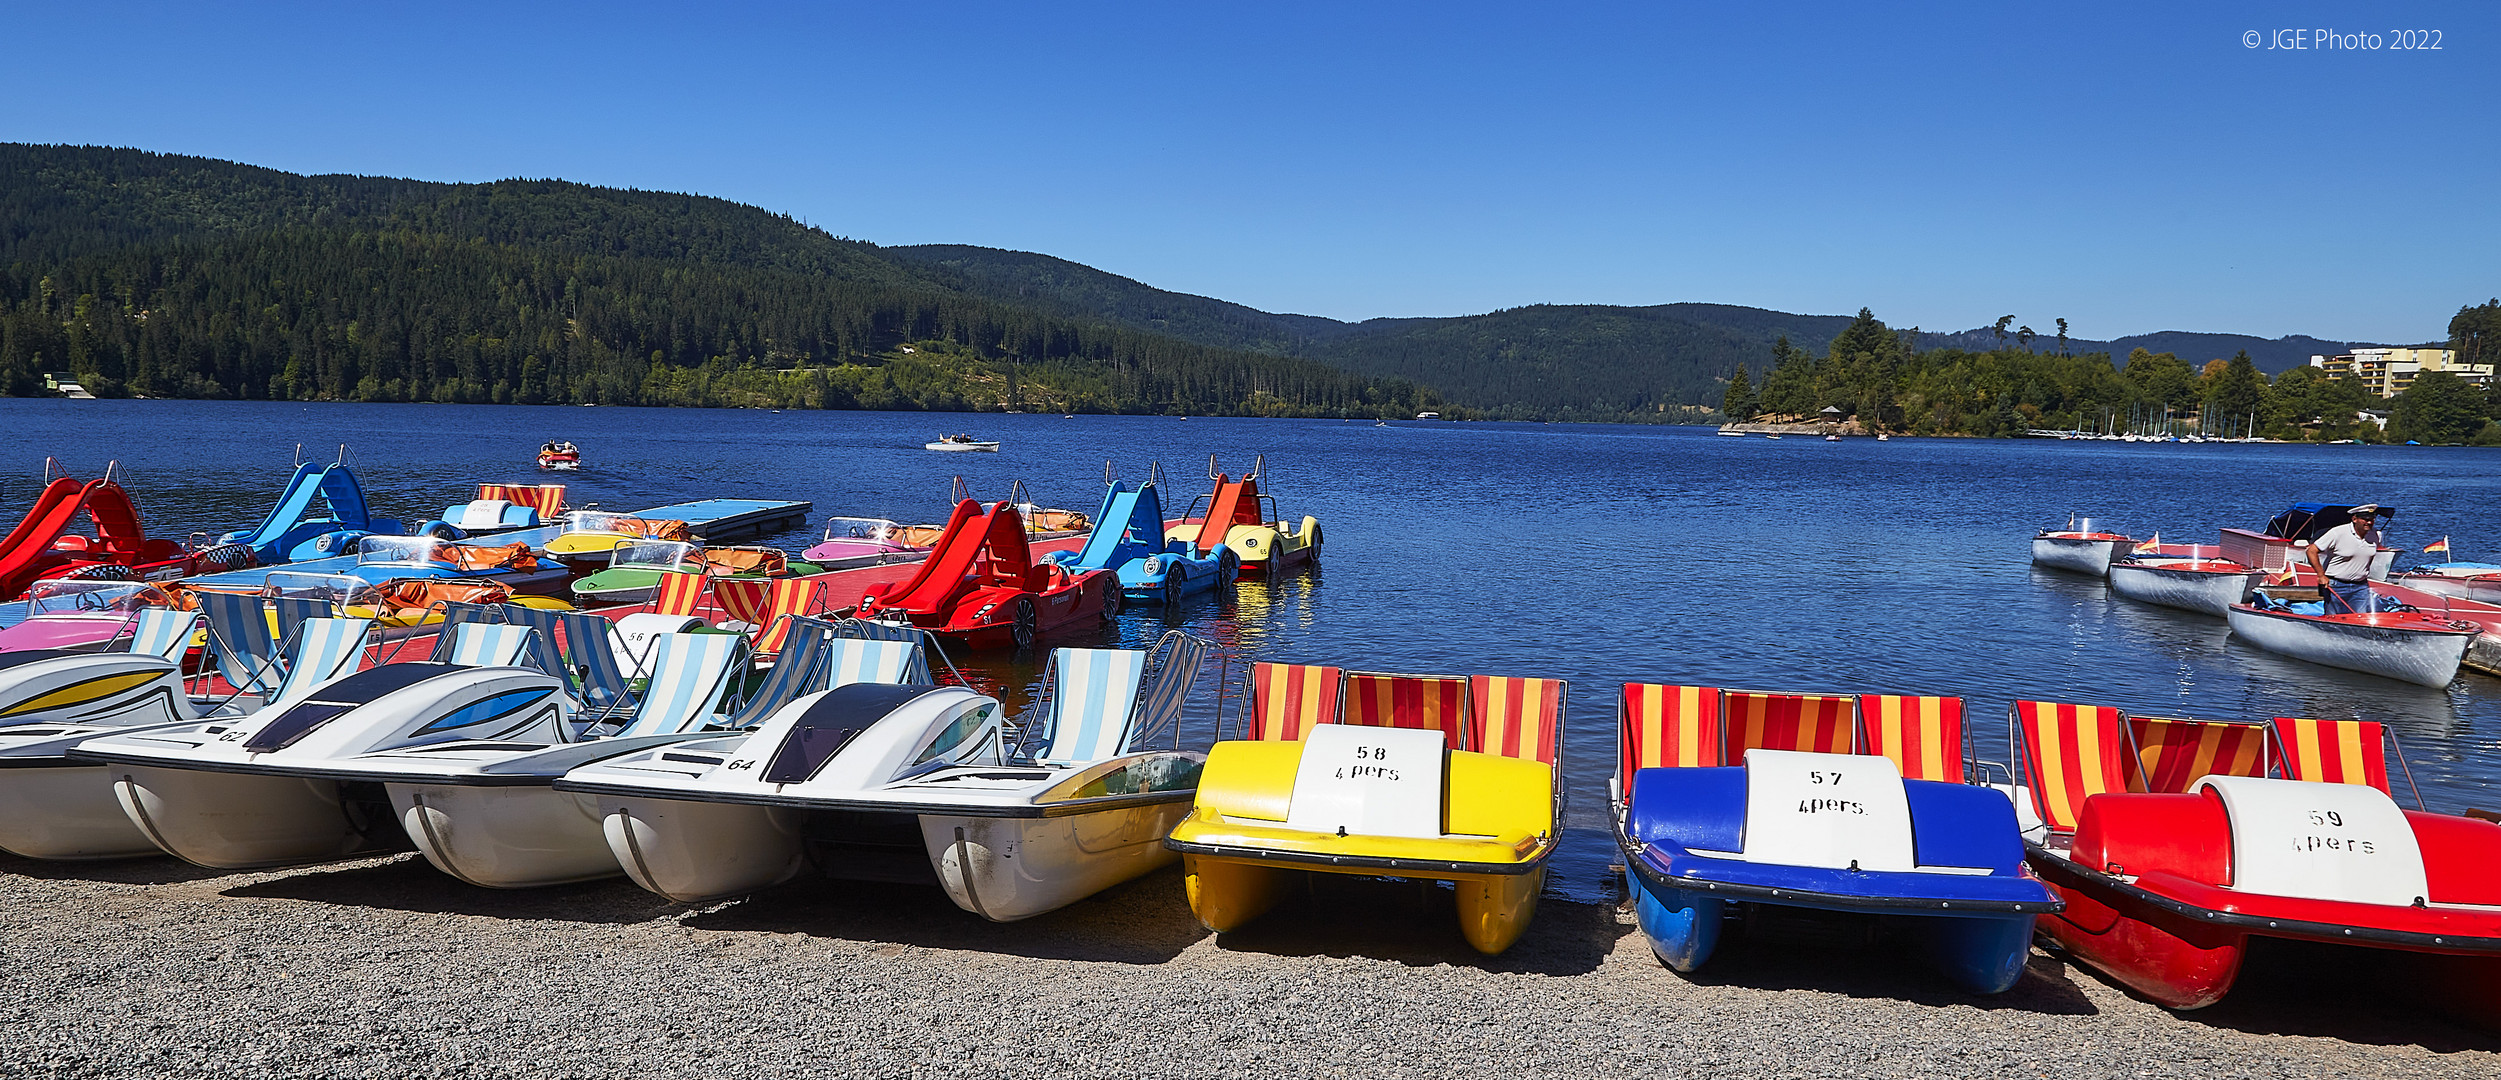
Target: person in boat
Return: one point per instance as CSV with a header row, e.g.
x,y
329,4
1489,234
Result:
x,y
547,447
2342,559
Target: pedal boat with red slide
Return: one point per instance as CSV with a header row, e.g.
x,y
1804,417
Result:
x,y
2197,579
2079,548
2176,843
1446,778
2407,645
1236,514
1835,806
982,586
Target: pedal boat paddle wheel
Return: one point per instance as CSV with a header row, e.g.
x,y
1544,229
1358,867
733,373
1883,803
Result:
x,y
262,790
1239,516
1834,804
903,783
2079,548
982,587
2178,842
1445,778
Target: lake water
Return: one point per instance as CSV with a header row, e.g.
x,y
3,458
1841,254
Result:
x,y
1594,553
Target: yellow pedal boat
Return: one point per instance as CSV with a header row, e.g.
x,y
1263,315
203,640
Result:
x,y
1434,777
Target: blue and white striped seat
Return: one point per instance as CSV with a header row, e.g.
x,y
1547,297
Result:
x,y
690,675
164,632
1093,695
858,660
1177,659
588,659
295,611
240,642
322,649
479,644
456,614
798,669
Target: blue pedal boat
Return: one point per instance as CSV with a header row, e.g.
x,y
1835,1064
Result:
x,y
1128,539
1942,862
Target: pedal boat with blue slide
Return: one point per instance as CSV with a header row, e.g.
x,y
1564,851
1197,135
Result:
x,y
1445,778
1128,539
1813,817
2178,843
903,783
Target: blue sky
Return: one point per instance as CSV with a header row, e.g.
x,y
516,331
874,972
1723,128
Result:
x,y
2131,167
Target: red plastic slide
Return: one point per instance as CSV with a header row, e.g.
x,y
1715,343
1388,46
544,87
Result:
x,y
1236,502
27,551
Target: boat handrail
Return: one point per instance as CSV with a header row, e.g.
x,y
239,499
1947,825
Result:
x,y
2402,766
1154,475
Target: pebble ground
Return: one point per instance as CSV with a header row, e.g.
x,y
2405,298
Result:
x,y
385,968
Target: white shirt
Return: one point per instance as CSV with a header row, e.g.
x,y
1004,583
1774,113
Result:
x,y
2345,555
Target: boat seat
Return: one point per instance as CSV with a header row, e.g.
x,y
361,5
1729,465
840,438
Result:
x,y
1516,717
1923,736
2173,752
1816,723
1093,703
1666,726
164,632
1288,700
861,660
2334,751
1418,702
2069,754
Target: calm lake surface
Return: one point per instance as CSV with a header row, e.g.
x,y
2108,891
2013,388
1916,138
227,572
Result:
x,y
1594,553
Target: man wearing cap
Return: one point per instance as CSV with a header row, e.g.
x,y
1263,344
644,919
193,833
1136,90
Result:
x,y
2342,558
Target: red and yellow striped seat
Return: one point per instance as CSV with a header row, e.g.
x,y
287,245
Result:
x,y
1424,702
2174,752
1516,717
747,600
547,499
1288,700
2334,751
679,593
1923,735
2069,753
1822,723
1662,726
790,597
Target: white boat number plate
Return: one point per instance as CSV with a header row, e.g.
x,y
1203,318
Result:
x,y
1369,781
1828,810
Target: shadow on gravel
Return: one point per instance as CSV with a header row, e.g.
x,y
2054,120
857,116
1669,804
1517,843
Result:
x,y
1844,958
409,883
1417,923
2373,997
154,870
1146,921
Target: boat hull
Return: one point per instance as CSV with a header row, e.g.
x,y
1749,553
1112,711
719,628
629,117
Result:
x,y
1227,894
66,811
2482,590
1983,953
506,837
1005,869
244,821
694,852
2076,555
2399,647
2210,591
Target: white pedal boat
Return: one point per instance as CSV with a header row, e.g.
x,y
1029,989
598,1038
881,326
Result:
x,y
55,806
2211,586
906,782
263,790
484,811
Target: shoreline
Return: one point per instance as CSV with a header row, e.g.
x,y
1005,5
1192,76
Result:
x,y
385,967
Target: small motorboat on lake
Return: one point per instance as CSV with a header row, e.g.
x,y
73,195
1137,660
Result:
x,y
2191,581
2411,646
2278,548
560,456
2079,548
853,541
2176,842
961,443
1857,807
1432,777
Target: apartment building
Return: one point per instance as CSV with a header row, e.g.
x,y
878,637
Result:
x,y
2388,372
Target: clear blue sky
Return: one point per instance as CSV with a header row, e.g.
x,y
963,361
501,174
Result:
x,y
2132,167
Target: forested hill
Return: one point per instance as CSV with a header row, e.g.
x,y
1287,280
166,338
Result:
x,y
182,276
1587,361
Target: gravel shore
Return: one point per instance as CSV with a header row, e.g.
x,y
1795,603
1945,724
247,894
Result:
x,y
387,968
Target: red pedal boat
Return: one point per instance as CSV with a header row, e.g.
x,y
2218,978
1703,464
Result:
x,y
41,546
981,586
2175,842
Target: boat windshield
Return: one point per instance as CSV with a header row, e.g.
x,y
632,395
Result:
x,y
74,595
400,550
596,521
655,555
851,528
335,588
972,722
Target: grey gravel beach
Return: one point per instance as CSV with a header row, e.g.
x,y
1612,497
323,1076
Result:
x,y
387,968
